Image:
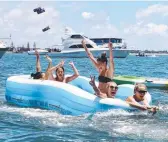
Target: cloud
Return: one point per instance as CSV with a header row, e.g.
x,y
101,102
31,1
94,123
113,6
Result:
x,y
147,36
99,25
26,26
87,15
1,21
104,30
19,20
158,29
50,16
14,14
150,30
153,9
144,29
73,6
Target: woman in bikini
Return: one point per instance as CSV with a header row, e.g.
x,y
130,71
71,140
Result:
x,y
59,71
106,73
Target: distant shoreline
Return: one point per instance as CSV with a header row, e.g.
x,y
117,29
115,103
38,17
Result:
x,y
150,54
131,53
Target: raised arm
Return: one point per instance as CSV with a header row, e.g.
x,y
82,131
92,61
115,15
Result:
x,y
111,61
49,74
96,89
75,75
49,62
57,66
89,54
38,67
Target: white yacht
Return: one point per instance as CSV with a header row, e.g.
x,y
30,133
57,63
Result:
x,y
3,48
40,51
119,46
118,43
72,47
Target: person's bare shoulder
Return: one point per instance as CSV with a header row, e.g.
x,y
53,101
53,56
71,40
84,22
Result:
x,y
130,99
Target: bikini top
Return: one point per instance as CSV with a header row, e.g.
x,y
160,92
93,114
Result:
x,y
104,79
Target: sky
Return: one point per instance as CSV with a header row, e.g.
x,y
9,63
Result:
x,y
142,25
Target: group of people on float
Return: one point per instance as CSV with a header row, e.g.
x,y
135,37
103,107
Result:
x,y
107,88
59,71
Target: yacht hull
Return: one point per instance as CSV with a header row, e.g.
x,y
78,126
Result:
x,y
119,53
2,51
41,52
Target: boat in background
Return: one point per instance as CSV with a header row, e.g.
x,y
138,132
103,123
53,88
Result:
x,y
72,47
40,51
143,54
118,43
3,48
153,55
149,82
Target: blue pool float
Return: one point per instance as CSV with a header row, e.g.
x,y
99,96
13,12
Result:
x,y
75,98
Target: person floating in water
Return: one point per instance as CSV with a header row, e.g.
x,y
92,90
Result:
x,y
139,100
60,73
111,89
105,73
39,74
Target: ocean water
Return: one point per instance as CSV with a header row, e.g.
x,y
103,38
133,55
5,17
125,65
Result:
x,y
36,125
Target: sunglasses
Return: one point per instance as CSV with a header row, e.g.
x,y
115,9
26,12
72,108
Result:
x,y
114,87
142,92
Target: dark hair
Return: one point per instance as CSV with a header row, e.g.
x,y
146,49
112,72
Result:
x,y
103,58
60,67
57,70
36,75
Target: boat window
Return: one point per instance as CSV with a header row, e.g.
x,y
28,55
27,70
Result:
x,y
80,46
76,36
113,40
100,41
85,36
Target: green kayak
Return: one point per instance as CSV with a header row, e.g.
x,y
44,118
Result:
x,y
128,79
150,83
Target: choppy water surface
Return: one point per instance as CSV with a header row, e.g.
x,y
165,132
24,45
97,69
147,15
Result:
x,y
33,125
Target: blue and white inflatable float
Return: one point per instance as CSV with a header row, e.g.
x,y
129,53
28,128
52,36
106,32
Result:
x,y
75,98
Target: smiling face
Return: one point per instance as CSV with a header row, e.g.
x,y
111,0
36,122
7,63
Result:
x,y
140,94
112,89
140,91
60,73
